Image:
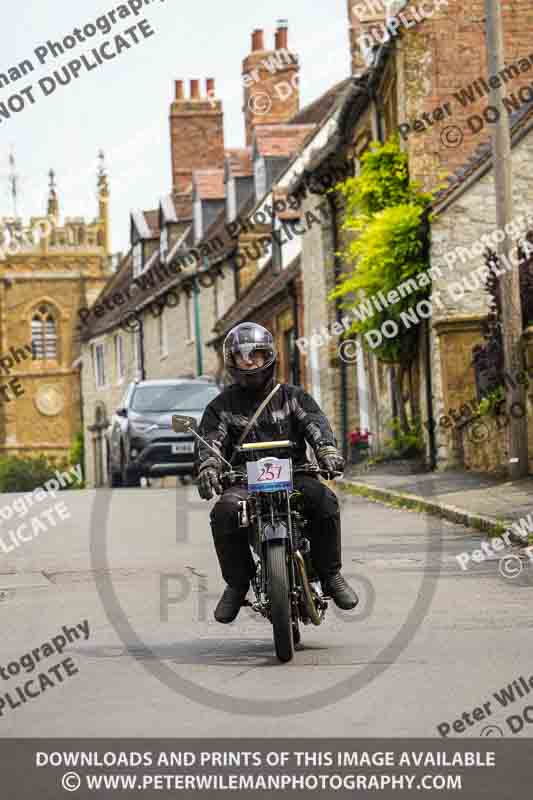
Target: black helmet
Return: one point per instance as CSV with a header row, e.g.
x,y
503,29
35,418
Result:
x,y
245,340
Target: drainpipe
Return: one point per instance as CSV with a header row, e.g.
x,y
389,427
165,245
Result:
x,y
296,351
429,398
338,314
141,349
197,324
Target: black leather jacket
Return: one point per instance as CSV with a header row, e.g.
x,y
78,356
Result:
x,y
291,414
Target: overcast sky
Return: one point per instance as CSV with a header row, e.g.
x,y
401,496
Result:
x,y
122,106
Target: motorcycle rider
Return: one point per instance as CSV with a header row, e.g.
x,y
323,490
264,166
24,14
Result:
x,y
250,358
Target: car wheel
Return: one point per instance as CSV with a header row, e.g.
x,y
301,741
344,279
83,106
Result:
x,y
129,478
114,479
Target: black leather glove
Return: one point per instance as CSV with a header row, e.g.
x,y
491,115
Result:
x,y
330,459
209,479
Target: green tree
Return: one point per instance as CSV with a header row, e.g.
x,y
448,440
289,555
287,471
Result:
x,y
386,221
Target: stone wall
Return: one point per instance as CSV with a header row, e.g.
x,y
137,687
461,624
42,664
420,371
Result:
x,y
462,301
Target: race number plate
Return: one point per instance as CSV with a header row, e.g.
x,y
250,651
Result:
x,y
269,475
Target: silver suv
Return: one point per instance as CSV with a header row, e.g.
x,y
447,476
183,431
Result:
x,y
141,442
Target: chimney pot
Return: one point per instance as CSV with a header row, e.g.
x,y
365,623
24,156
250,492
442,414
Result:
x,y
179,90
282,37
195,90
210,87
258,40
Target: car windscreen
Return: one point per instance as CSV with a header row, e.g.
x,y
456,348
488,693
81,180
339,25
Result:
x,y
179,397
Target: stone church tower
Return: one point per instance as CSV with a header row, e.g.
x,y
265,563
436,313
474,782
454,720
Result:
x,y
48,271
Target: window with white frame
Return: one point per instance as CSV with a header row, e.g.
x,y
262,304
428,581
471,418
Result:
x,y
99,365
162,334
137,259
163,244
120,367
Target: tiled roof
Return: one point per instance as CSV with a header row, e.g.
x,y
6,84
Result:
x,y
319,109
239,161
280,141
521,122
267,285
209,184
118,283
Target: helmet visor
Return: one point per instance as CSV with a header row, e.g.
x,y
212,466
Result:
x,y
250,355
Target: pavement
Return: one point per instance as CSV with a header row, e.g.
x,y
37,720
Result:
x,y
471,498
428,642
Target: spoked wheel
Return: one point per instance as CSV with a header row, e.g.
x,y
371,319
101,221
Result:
x,y
280,605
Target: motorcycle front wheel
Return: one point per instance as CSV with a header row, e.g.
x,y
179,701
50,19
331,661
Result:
x,y
279,594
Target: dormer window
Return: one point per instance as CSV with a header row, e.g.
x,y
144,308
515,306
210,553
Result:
x,y
163,244
137,259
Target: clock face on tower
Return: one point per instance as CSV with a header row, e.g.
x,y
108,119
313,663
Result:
x,y
49,400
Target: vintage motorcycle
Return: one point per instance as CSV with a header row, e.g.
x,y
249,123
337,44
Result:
x,y
287,590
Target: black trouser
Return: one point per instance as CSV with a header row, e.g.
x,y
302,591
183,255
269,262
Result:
x,y
321,509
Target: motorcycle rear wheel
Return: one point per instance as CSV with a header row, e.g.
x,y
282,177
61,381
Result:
x,y
280,606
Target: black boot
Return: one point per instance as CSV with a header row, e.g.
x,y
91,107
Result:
x,y
340,591
230,604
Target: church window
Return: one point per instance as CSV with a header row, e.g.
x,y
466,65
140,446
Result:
x,y
43,334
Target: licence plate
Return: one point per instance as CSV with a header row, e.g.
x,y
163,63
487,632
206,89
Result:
x,y
182,447
269,475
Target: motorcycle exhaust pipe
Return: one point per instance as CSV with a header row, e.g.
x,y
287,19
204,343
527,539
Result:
x,y
310,603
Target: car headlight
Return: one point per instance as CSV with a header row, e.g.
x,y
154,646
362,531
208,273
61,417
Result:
x,y
143,427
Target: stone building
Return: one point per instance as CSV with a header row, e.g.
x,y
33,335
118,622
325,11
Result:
x,y
48,271
188,263
421,82
464,216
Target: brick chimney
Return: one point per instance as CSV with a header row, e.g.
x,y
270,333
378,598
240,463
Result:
x,y
271,81
196,132
367,19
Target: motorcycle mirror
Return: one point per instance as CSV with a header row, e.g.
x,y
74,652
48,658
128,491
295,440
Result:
x,y
183,424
